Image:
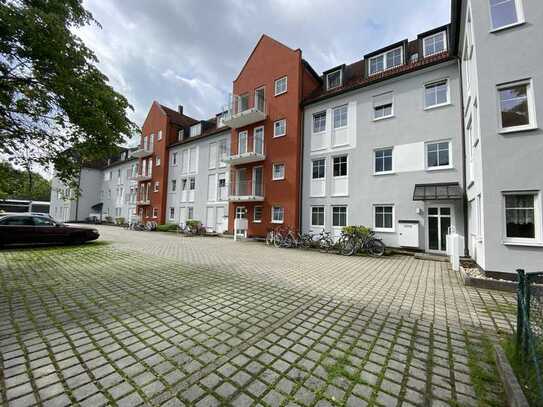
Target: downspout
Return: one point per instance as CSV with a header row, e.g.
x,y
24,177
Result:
x,y
77,194
301,152
464,179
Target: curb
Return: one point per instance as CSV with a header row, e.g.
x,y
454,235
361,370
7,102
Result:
x,y
500,285
513,391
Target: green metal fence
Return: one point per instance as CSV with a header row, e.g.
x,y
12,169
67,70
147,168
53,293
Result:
x,y
529,340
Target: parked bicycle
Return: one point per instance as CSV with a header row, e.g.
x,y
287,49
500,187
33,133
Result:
x,y
325,241
359,239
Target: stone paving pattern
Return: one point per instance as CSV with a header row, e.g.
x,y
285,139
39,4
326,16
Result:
x,y
161,319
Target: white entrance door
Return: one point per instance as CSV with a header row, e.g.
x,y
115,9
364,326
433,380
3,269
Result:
x,y
210,219
222,219
439,220
182,215
241,213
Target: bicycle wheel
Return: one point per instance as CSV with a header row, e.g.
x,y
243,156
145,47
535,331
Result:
x,y
269,238
347,245
376,248
278,240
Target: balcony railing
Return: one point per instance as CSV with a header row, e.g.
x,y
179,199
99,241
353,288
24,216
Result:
x,y
246,191
242,111
144,150
143,177
143,201
250,150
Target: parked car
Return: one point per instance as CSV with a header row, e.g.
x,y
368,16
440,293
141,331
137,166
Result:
x,y
30,229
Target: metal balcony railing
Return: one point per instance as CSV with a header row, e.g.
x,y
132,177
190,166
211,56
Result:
x,y
244,110
246,191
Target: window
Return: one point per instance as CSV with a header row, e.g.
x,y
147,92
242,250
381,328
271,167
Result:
x,y
339,216
383,161
18,221
384,218
317,216
192,183
505,13
190,212
157,186
340,166
174,185
213,152
40,221
278,172
334,79
196,130
257,214
319,169
436,94
522,216
174,158
172,213
387,60
438,154
434,44
340,116
319,122
278,214
180,134
159,135
242,142
382,106
155,212
280,86
516,106
157,161
279,128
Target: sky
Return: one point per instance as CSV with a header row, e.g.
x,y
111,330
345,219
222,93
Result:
x,y
188,51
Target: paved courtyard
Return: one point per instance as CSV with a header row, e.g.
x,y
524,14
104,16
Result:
x,y
146,318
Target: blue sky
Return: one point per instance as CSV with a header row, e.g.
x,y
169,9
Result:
x,y
189,51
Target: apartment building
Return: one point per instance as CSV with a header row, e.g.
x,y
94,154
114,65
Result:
x,y
498,45
265,115
106,188
163,126
383,145
198,176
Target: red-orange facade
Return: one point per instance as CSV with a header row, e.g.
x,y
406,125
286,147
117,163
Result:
x,y
271,61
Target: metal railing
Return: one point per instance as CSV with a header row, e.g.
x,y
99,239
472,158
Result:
x,y
239,104
246,188
529,335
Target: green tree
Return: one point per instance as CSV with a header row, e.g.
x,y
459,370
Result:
x,y
52,96
19,184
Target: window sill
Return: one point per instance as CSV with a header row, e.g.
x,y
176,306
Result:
x,y
384,173
340,128
278,179
281,93
384,230
277,221
378,119
339,195
518,129
442,168
279,135
534,243
505,27
438,106
318,133
257,221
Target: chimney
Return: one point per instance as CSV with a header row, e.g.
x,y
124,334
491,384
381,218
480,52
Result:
x,y
180,109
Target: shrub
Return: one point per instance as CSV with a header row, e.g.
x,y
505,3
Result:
x,y
109,219
119,220
168,227
357,230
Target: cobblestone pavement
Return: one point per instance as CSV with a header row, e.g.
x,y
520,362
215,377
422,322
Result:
x,y
159,319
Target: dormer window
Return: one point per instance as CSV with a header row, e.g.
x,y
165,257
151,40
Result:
x,y
180,135
434,44
196,130
334,79
386,60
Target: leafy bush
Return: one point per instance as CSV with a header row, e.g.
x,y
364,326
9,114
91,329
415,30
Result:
x,y
168,227
193,224
109,219
357,230
119,220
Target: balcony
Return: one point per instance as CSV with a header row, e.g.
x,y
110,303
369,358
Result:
x,y
144,201
142,177
250,148
246,191
143,151
240,112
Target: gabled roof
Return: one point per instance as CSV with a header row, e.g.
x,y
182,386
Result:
x,y
178,118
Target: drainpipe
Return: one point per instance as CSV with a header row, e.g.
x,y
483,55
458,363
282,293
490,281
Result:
x,y
464,179
77,195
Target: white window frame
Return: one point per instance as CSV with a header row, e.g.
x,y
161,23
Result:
x,y
180,134
255,220
195,130
385,230
246,134
321,159
319,113
274,166
159,135
282,214
173,185
537,240
171,213
520,17
157,161
155,212
432,36
385,65
379,106
332,163
438,167
531,107
277,81
346,216
391,171
275,134
323,226
337,108
156,186
174,159
435,83
328,87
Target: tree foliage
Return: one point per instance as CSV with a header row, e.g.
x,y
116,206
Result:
x,y
17,184
52,96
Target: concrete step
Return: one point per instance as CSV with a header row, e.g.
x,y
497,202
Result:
x,y
432,257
